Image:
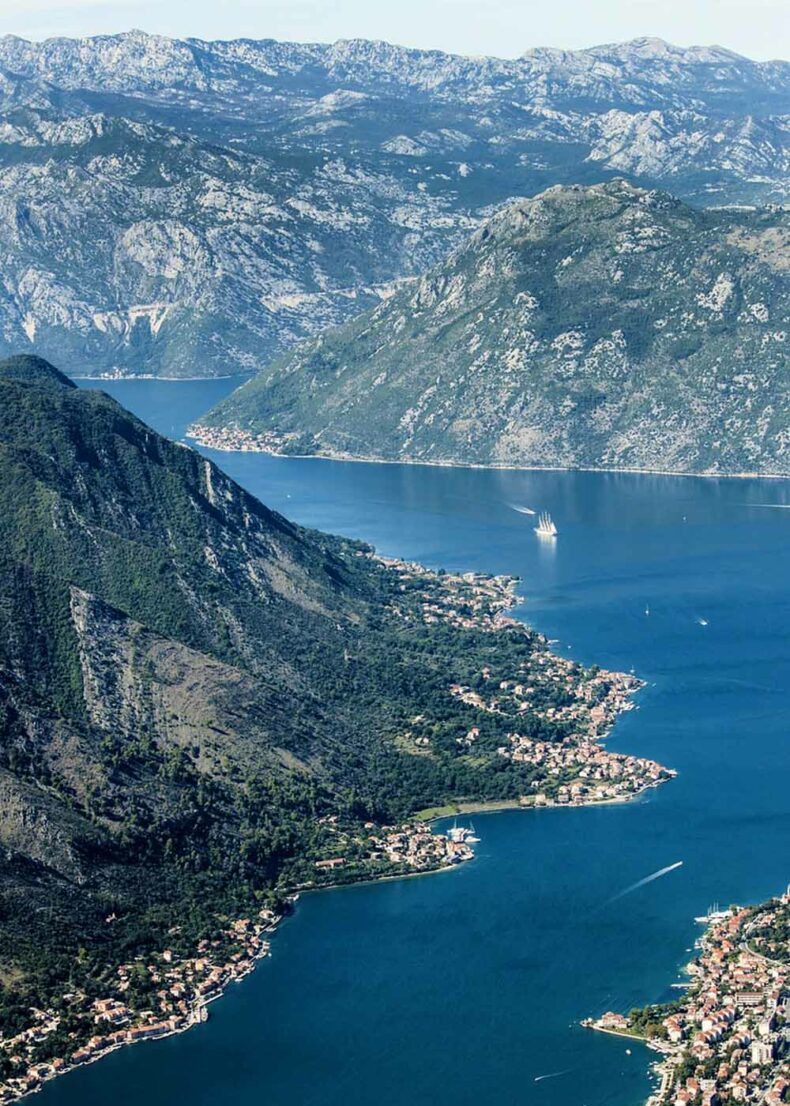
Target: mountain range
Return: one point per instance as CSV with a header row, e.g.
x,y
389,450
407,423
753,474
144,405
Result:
x,y
603,326
188,208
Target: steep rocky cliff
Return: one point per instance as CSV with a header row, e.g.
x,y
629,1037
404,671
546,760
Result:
x,y
187,208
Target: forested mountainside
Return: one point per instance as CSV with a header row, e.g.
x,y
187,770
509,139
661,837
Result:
x,y
188,208
199,699
603,326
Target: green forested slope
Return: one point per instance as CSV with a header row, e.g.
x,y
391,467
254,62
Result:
x,y
190,685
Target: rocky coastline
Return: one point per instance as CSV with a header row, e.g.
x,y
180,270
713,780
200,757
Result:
x,y
234,440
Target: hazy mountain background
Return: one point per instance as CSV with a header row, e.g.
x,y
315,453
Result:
x,y
190,208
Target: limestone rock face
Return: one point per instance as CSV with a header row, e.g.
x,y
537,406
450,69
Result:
x,y
187,208
606,326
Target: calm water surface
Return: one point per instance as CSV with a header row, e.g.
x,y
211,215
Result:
x,y
465,987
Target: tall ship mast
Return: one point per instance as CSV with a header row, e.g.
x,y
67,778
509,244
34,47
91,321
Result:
x,y
546,527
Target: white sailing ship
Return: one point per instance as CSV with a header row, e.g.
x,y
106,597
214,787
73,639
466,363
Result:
x,y
546,527
713,915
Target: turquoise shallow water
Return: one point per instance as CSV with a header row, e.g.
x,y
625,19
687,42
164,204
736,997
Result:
x,y
463,988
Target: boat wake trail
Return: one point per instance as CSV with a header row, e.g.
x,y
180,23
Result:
x,y
643,882
552,1075
521,510
776,506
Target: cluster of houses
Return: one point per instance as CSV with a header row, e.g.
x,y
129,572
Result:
x,y
237,441
420,849
594,774
735,1022
588,705
729,1040
470,600
557,690
180,990
589,701
411,846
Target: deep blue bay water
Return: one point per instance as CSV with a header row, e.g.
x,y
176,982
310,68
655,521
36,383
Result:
x,y
464,987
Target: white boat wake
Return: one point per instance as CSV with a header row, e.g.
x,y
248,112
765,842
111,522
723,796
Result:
x,y
552,1075
521,510
643,882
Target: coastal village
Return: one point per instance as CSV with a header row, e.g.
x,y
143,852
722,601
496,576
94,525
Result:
x,y
576,769
180,989
385,852
727,1040
469,600
577,706
167,992
600,776
233,440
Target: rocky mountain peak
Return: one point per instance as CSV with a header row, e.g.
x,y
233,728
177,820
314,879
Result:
x,y
652,47
605,326
562,207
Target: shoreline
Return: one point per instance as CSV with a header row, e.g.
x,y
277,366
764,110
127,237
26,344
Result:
x,y
490,467
198,1015
223,972
515,804
147,378
199,1012
727,1032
